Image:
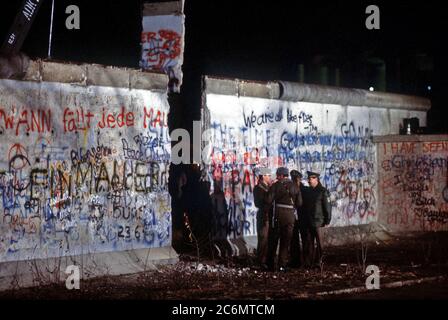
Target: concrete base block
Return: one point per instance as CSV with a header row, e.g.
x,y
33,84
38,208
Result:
x,y
338,236
19,274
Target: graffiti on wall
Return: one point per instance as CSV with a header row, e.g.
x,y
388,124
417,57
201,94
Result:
x,y
160,50
80,176
244,137
162,44
414,184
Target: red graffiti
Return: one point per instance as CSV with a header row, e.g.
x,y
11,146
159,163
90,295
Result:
x,y
160,49
76,120
399,147
109,120
80,119
435,146
30,120
153,117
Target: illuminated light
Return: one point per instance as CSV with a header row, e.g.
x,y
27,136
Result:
x,y
371,89
429,88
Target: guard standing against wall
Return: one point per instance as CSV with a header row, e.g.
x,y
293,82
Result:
x,y
263,215
220,218
316,214
285,197
296,251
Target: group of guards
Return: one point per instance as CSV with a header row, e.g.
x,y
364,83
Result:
x,y
292,214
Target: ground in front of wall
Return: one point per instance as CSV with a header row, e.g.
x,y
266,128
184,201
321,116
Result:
x,y
399,259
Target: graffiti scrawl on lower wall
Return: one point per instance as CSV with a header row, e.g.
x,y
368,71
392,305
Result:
x,y
414,184
247,133
82,170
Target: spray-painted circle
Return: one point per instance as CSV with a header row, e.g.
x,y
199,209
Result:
x,y
18,157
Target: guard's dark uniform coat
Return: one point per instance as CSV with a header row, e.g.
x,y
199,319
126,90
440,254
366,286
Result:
x,y
261,191
296,251
285,197
315,213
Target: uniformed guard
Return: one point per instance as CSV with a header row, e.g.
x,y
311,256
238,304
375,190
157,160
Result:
x,y
316,214
296,257
285,197
263,222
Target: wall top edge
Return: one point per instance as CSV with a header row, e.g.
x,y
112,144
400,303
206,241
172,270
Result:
x,y
302,92
85,74
411,138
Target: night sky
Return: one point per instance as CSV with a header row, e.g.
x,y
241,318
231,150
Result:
x,y
261,40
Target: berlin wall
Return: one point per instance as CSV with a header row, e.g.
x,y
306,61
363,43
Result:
x,y
305,127
413,184
85,154
162,38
